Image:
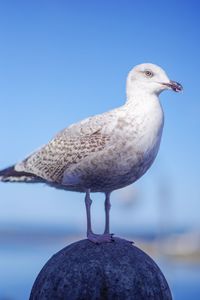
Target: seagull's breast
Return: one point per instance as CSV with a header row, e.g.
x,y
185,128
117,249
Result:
x,y
137,139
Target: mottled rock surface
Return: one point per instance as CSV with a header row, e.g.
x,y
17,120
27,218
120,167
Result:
x,y
85,271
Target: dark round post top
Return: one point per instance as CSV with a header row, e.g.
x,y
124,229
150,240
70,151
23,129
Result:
x,y
86,271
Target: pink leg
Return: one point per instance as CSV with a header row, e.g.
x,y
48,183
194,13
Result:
x,y
88,203
96,238
107,213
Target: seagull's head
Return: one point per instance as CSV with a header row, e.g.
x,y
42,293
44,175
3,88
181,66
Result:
x,y
151,79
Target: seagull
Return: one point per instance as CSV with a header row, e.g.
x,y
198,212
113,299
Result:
x,y
104,152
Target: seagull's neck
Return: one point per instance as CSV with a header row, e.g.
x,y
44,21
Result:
x,y
144,108
141,97
143,104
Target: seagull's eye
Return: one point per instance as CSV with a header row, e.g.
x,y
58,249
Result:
x,y
148,73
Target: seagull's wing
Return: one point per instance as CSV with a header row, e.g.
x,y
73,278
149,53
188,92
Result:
x,y
69,147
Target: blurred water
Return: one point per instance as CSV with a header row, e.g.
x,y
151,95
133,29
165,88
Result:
x,y
183,279
20,264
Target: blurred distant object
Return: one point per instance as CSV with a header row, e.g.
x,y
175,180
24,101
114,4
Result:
x,y
184,246
165,207
128,197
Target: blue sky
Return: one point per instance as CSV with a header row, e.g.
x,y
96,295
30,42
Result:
x,y
61,61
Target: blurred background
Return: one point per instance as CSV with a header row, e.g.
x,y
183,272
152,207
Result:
x,y
61,61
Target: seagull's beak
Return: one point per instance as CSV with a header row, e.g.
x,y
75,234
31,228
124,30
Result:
x,y
175,86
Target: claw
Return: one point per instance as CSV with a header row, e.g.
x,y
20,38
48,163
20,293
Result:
x,y
118,238
100,238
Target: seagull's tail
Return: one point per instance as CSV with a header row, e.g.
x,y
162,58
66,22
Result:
x,y
11,175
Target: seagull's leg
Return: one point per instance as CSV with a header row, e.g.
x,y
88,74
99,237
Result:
x,y
88,203
95,238
107,213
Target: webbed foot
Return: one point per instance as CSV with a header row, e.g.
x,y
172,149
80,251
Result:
x,y
100,238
